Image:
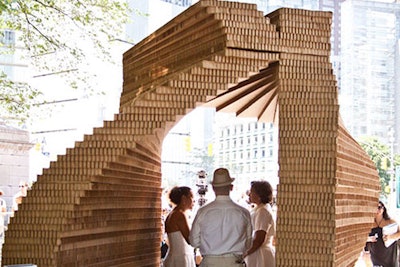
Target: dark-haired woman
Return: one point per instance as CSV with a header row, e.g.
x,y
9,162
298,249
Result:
x,y
379,253
180,253
262,252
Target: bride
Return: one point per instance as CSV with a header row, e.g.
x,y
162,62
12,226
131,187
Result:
x,y
180,253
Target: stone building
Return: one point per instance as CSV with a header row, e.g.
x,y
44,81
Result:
x,y
14,160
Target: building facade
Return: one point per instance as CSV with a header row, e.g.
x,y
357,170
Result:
x,y
248,149
369,61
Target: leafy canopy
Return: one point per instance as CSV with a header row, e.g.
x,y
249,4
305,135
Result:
x,y
55,37
380,154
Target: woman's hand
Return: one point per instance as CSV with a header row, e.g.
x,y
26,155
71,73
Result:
x,y
385,237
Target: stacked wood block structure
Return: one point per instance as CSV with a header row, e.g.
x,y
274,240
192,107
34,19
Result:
x,y
327,184
99,205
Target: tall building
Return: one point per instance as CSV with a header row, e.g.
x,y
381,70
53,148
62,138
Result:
x,y
365,59
13,64
247,148
369,85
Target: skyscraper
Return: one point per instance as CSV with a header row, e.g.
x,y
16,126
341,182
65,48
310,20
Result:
x,y
369,59
365,58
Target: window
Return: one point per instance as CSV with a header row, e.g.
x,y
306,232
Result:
x,y
179,2
8,37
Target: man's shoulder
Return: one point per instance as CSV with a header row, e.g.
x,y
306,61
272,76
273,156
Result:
x,y
223,204
242,209
207,206
237,206
215,204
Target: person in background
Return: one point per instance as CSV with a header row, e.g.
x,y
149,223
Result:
x,y
17,199
180,253
262,251
3,212
164,245
222,228
379,253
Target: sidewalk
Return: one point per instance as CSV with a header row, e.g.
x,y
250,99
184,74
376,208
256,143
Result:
x,y
363,260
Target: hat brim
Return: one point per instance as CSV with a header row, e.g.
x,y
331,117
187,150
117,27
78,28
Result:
x,y
223,184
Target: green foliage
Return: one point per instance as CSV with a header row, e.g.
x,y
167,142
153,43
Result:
x,y
380,155
57,37
16,98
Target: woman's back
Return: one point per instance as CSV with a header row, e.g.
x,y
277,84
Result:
x,y
180,253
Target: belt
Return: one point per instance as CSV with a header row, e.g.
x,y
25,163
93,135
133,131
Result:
x,y
226,255
238,257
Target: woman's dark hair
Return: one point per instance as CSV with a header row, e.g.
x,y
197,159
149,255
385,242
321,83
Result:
x,y
177,192
385,214
263,189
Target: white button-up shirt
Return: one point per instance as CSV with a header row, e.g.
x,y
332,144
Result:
x,y
221,227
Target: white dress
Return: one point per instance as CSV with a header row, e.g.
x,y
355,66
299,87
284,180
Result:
x,y
180,253
262,219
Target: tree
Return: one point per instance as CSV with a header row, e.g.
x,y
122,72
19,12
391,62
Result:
x,y
57,38
380,154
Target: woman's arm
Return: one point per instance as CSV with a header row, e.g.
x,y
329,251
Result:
x,y
371,239
183,226
259,237
395,235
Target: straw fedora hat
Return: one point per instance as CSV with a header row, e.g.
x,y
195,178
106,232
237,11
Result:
x,y
222,178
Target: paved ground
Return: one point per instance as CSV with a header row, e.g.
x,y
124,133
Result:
x,y
364,260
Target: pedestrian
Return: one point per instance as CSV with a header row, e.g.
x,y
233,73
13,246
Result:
x,y
381,254
3,212
180,253
262,251
17,199
221,229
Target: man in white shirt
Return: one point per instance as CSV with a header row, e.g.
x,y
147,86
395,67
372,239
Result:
x,y
222,229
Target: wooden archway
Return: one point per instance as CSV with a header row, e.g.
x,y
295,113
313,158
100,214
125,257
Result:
x,y
99,205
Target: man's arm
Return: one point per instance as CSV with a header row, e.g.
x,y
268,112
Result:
x,y
194,236
249,231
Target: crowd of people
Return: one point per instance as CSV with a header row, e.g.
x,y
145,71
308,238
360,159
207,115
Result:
x,y
228,234
224,232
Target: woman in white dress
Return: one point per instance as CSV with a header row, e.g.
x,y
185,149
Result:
x,y
180,253
262,251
